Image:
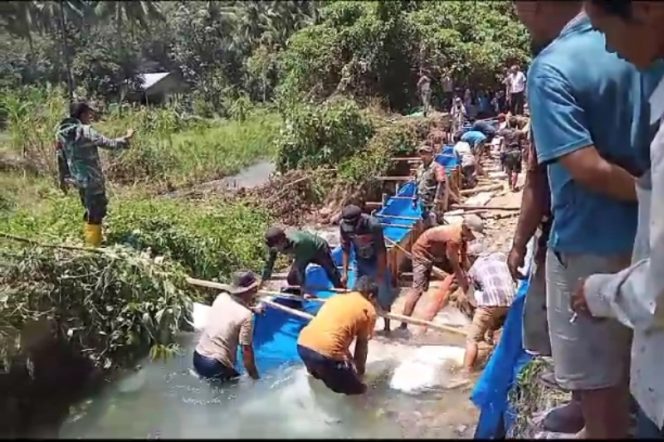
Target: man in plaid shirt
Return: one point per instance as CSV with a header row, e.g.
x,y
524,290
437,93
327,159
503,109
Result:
x,y
494,293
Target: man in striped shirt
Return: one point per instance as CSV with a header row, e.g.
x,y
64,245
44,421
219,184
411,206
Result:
x,y
494,293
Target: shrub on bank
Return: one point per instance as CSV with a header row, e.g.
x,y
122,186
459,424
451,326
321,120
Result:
x,y
209,241
111,305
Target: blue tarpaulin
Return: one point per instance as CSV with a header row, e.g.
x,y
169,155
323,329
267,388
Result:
x,y
276,332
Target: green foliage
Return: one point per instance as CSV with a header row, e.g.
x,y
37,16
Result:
x,y
208,241
322,135
112,306
392,138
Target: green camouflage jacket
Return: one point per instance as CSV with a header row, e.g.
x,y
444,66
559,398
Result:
x,y
80,142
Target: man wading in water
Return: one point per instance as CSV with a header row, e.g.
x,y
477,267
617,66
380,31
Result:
x,y
230,323
324,344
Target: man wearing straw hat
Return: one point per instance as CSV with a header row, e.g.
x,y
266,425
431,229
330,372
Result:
x,y
230,323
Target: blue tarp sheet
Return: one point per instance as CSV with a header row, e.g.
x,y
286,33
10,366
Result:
x,y
276,332
500,373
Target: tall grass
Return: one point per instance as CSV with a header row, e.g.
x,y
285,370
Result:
x,y
167,147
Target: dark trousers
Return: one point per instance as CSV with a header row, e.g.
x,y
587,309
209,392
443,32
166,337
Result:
x,y
212,369
338,376
297,272
516,103
95,206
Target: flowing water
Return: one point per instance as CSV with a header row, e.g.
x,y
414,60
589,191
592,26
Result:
x,y
166,400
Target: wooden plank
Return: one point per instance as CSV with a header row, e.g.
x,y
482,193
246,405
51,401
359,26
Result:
x,y
481,189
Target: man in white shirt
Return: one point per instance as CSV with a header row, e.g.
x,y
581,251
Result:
x,y
635,296
517,86
467,160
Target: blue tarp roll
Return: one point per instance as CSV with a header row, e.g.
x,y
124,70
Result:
x,y
500,373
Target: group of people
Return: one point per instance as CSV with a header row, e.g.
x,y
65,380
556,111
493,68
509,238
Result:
x,y
480,103
595,297
324,344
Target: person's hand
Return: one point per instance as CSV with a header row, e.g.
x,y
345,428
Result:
x,y
259,309
515,260
308,296
578,300
130,133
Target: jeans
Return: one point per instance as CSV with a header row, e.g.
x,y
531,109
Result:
x,y
647,429
210,368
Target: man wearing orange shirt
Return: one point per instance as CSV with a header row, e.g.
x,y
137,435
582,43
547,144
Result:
x,y
324,344
444,246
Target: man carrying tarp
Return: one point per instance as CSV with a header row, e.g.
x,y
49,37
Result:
x,y
80,147
513,141
583,102
364,234
230,323
432,187
324,344
445,247
305,248
494,293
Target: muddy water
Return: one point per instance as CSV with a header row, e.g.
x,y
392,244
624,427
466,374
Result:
x,y
165,400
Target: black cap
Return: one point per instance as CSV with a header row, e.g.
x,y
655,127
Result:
x,y
351,212
273,235
77,108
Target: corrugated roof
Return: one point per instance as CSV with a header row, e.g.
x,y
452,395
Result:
x,y
149,80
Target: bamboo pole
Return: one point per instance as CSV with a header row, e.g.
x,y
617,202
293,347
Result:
x,y
307,316
465,207
435,269
394,178
413,218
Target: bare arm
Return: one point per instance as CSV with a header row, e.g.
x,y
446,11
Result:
x,y
589,169
361,352
453,257
246,341
533,207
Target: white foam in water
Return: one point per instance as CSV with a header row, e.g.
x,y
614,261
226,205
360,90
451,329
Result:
x,y
426,367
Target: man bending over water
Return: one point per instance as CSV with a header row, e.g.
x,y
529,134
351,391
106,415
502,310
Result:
x,y
324,344
230,323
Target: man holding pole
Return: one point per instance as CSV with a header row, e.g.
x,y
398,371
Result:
x,y
365,234
445,247
306,249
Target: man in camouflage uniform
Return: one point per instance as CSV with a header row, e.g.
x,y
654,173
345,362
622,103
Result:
x,y
80,143
432,190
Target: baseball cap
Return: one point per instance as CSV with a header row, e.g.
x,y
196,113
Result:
x,y
273,235
351,212
425,148
474,223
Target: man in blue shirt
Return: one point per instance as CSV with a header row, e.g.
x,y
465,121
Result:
x,y
586,108
475,138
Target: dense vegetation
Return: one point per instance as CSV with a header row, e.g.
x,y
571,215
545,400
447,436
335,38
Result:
x,y
307,83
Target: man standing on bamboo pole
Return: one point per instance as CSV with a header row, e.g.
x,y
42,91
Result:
x,y
306,249
364,234
445,247
80,145
432,187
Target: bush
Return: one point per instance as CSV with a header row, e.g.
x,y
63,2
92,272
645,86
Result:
x,y
208,241
322,135
111,305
